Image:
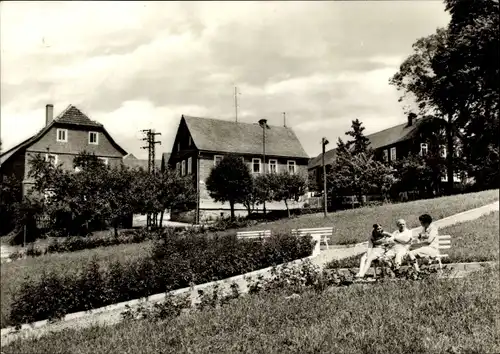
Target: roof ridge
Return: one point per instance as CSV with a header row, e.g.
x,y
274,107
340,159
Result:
x,y
233,122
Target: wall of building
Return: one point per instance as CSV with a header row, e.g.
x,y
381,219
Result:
x,y
78,140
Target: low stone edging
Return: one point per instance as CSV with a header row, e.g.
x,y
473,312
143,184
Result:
x,y
5,333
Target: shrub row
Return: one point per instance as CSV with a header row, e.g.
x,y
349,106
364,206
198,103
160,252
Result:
x,y
176,261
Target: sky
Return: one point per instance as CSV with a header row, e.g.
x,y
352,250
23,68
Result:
x,y
141,65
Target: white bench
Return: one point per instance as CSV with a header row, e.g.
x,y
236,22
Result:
x,y
324,233
253,234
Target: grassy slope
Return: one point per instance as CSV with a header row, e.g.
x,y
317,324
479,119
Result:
x,y
431,316
349,226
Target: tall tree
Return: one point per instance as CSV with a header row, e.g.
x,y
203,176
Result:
x,y
230,181
359,142
454,74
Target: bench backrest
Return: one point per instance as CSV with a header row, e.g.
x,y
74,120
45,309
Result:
x,y
253,234
321,231
444,243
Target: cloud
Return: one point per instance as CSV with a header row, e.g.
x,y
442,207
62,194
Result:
x,y
135,65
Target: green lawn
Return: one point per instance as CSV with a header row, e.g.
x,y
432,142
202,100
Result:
x,y
350,226
428,316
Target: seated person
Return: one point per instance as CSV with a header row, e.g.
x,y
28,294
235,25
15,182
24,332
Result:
x,y
377,244
402,239
428,242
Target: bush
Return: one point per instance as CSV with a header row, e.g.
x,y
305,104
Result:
x,y
176,262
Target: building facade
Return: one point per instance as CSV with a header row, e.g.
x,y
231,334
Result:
x,y
201,143
60,141
416,136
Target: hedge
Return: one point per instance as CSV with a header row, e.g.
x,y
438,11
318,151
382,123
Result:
x,y
176,261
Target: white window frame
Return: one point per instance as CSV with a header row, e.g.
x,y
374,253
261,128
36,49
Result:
x,y
291,163
96,138
386,155
55,158
215,159
422,146
275,164
190,141
393,153
178,146
254,160
190,165
104,159
178,166
65,139
183,167
442,151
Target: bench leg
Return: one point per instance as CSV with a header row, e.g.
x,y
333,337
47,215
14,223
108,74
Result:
x,y
326,243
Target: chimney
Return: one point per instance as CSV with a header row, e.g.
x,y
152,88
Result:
x,y
49,113
411,117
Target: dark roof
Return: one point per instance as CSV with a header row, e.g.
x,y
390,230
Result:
x,y
140,163
72,116
244,138
130,157
386,137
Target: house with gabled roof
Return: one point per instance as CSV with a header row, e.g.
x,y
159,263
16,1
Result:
x,y
132,161
60,140
416,136
201,143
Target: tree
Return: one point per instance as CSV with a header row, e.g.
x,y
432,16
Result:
x,y
454,73
360,174
174,190
285,186
10,194
230,181
359,143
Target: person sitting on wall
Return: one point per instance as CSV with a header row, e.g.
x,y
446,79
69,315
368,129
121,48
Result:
x,y
377,245
428,242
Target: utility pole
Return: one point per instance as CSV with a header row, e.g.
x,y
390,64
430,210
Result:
x,y
263,124
284,119
324,142
151,143
236,103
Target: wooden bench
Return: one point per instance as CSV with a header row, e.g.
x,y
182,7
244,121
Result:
x,y
324,233
253,234
444,243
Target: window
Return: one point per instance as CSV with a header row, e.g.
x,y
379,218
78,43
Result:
x,y
190,141
256,165
393,153
273,166
291,166
442,151
190,165
183,167
93,138
178,146
51,158
386,155
177,166
423,149
62,135
217,159
104,160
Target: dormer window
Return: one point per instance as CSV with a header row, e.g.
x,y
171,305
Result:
x,y
62,135
94,138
